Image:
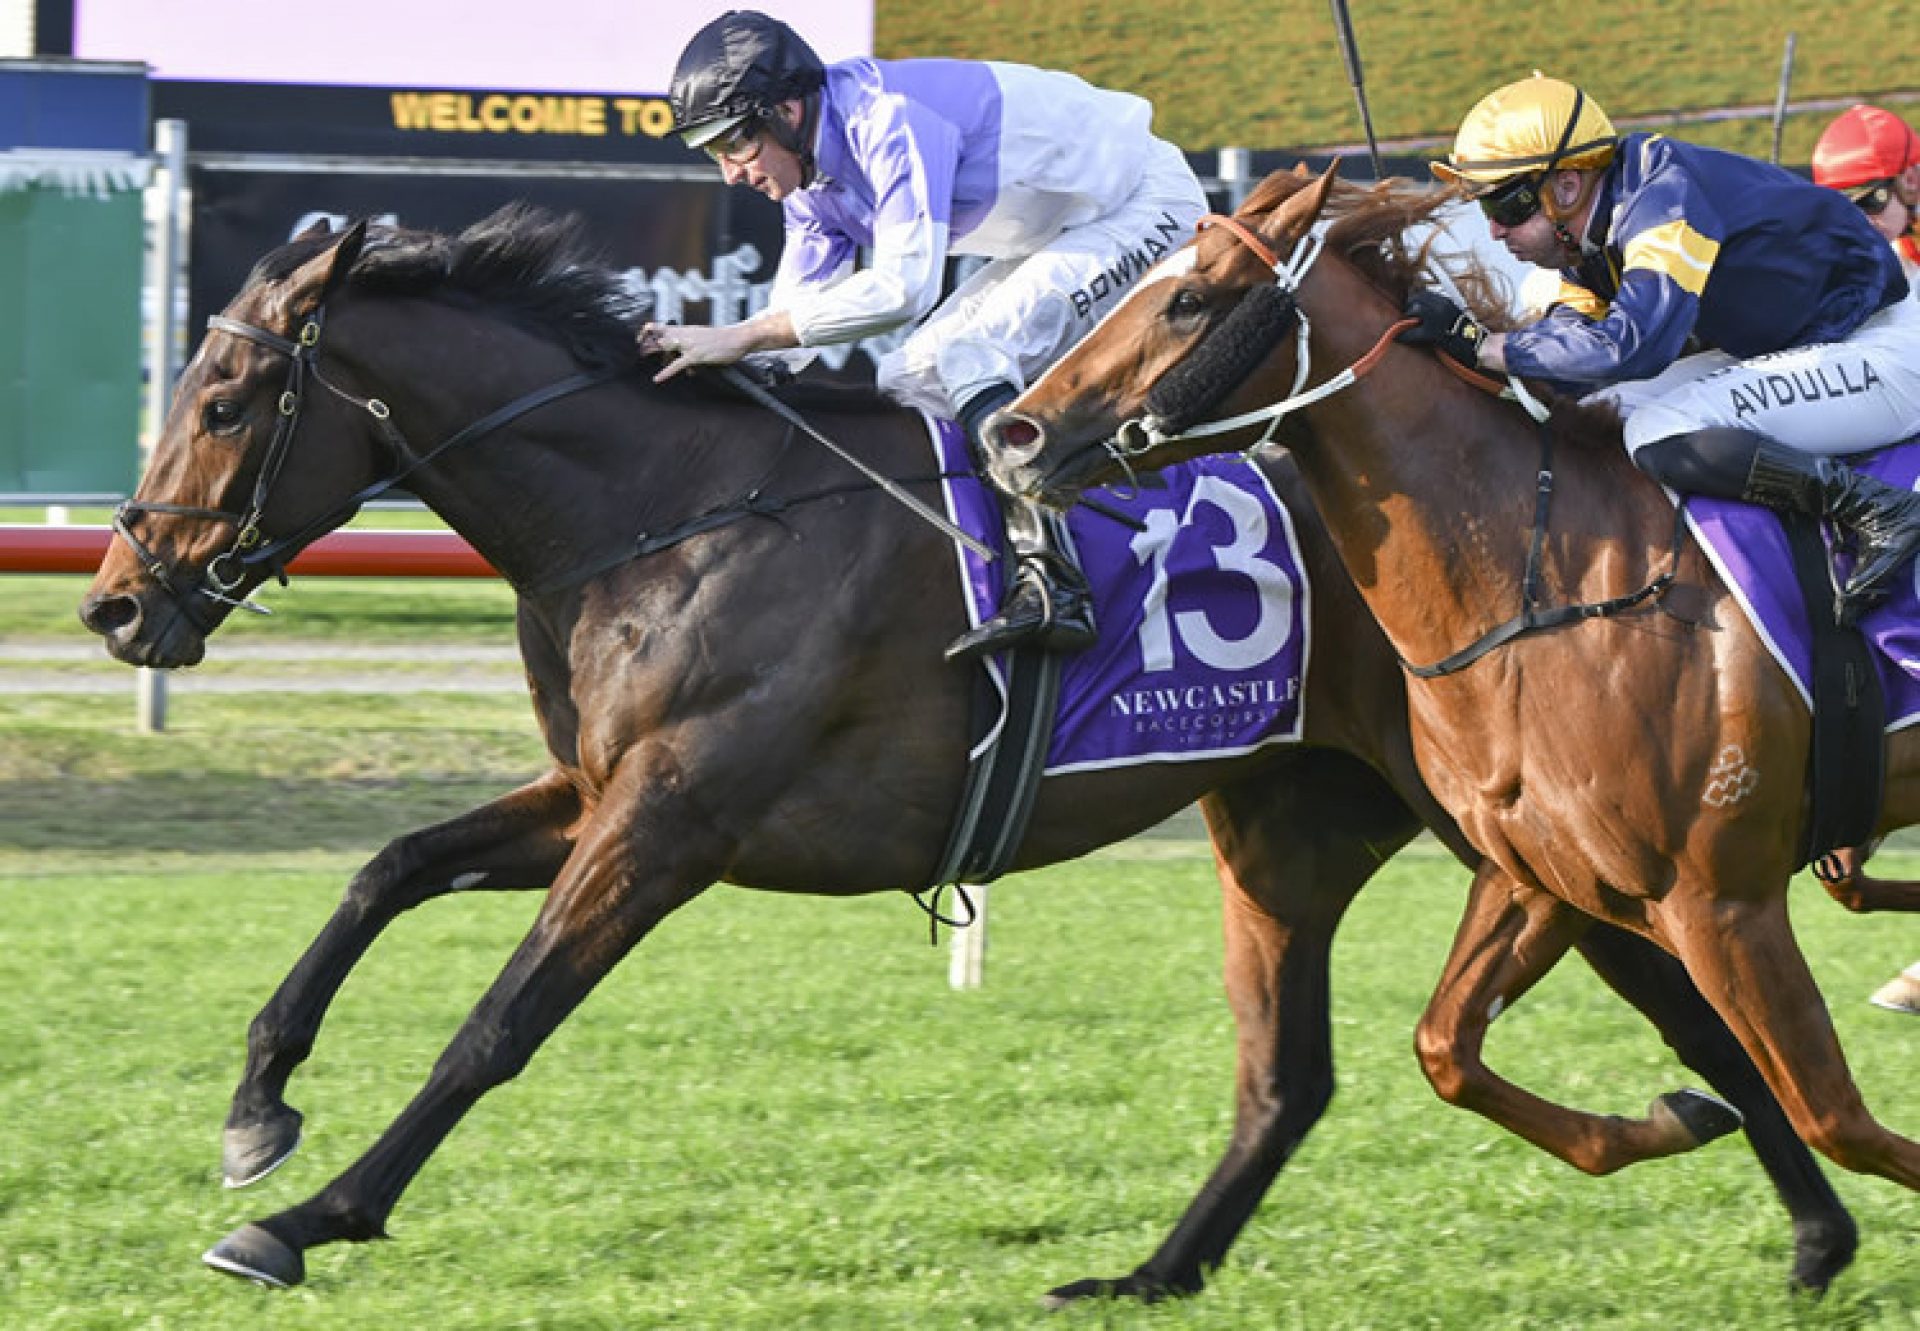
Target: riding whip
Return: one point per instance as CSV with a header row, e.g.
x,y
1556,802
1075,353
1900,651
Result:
x,y
1350,49
1780,99
894,490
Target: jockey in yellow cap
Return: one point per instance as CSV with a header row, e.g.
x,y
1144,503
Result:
x,y
1681,268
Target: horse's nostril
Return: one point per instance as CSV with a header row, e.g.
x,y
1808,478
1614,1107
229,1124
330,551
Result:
x,y
1017,432
107,615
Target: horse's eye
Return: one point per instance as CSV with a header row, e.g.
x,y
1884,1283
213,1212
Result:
x,y
222,416
1187,304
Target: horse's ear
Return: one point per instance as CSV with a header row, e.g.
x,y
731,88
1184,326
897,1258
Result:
x,y
320,227
1300,171
1324,186
344,255
1297,213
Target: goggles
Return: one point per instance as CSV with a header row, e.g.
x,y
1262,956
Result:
x,y
738,146
1873,197
1512,203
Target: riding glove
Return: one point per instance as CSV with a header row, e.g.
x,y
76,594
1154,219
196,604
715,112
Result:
x,y
1444,326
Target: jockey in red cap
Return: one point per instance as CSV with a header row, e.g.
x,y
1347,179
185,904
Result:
x,y
1873,157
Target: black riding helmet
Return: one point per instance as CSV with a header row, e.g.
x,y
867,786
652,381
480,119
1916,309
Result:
x,y
742,65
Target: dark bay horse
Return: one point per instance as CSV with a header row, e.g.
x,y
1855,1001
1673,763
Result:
x,y
1647,767
763,703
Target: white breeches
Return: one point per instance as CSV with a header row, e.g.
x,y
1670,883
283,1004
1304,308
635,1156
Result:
x,y
1016,316
1833,397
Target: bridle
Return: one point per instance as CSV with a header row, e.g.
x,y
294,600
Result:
x,y
252,549
1144,433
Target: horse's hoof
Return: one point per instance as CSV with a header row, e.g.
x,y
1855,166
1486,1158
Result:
x,y
1822,1249
251,1253
1136,1286
1704,1117
252,1151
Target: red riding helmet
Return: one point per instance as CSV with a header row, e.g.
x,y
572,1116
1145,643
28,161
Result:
x,y
1865,145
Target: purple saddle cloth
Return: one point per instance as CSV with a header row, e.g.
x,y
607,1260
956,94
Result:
x,y
1749,547
1203,616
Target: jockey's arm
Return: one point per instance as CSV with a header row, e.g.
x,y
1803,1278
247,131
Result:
x,y
909,157
1667,234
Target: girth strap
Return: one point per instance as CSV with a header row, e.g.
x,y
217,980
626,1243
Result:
x,y
1533,616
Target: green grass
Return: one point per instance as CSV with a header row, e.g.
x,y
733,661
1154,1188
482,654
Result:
x,y
775,1114
1271,75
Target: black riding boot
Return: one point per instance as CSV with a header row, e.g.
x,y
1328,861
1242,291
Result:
x,y
1739,464
1047,603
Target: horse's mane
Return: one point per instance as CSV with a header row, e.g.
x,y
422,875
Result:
x,y
539,269
535,267
1369,225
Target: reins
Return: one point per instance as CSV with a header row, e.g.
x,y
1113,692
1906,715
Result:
x,y
1138,436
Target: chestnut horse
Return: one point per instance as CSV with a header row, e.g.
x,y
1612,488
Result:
x,y
761,701
1644,766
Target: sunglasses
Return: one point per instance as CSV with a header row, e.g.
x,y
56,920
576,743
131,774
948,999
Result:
x,y
1874,197
1512,203
737,147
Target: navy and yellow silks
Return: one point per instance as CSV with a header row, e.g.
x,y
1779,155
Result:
x,y
1694,243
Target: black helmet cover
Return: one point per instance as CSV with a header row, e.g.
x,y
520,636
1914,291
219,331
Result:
x,y
742,64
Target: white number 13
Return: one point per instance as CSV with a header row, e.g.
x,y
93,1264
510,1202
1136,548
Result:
x,y
1270,583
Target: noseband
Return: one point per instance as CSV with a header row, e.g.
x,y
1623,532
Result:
x,y
251,548
1248,335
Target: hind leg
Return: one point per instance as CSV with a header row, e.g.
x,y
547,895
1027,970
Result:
x,y
1508,938
1824,1234
1843,873
517,841
1743,957
1292,847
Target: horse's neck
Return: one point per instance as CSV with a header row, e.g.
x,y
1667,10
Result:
x,y
560,493
1428,487
568,492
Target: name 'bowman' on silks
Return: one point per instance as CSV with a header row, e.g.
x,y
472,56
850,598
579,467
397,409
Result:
x,y
1688,241
916,160
1203,615
1749,548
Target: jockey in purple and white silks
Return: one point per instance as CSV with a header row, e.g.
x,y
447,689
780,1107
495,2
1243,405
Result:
x,y
1060,186
1750,326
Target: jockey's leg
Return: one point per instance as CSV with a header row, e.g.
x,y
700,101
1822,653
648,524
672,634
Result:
x,y
1740,464
1769,430
999,332
1047,603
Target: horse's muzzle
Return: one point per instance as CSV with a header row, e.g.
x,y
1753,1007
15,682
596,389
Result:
x,y
1021,461
133,635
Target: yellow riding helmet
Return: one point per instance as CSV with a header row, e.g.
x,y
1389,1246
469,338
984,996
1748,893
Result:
x,y
1526,128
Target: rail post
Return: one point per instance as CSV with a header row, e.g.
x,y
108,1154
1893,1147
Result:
x,y
163,354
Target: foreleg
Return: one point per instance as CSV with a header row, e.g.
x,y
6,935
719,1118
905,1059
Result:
x,y
632,866
516,842
1824,1234
1508,938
